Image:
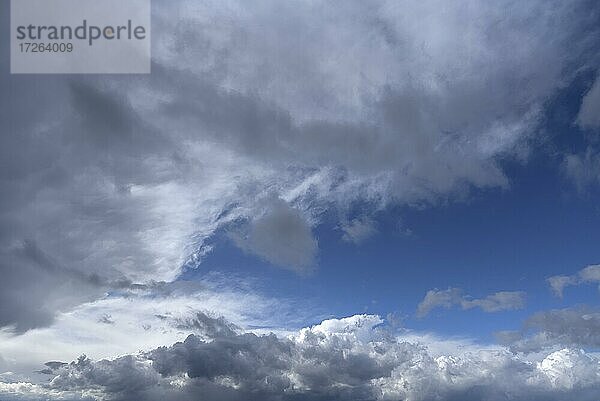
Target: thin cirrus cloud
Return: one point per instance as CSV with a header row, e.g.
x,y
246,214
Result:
x,y
500,301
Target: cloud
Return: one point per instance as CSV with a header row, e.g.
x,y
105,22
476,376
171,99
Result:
x,y
571,327
583,169
590,274
340,359
500,301
439,298
558,283
146,318
358,230
589,113
320,103
281,236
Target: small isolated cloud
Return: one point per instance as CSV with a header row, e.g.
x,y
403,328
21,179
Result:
x,y
500,301
281,236
358,230
588,275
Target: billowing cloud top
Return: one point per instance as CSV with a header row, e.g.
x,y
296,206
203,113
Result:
x,y
352,358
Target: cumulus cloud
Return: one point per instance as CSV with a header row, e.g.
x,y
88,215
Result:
x,y
341,359
500,301
588,275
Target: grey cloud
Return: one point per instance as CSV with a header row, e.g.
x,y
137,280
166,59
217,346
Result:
x,y
439,298
571,327
33,288
210,327
106,319
500,301
588,275
281,236
589,114
345,359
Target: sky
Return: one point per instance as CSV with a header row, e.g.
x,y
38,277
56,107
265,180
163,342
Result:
x,y
310,200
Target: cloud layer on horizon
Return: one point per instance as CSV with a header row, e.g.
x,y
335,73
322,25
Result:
x,y
340,359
